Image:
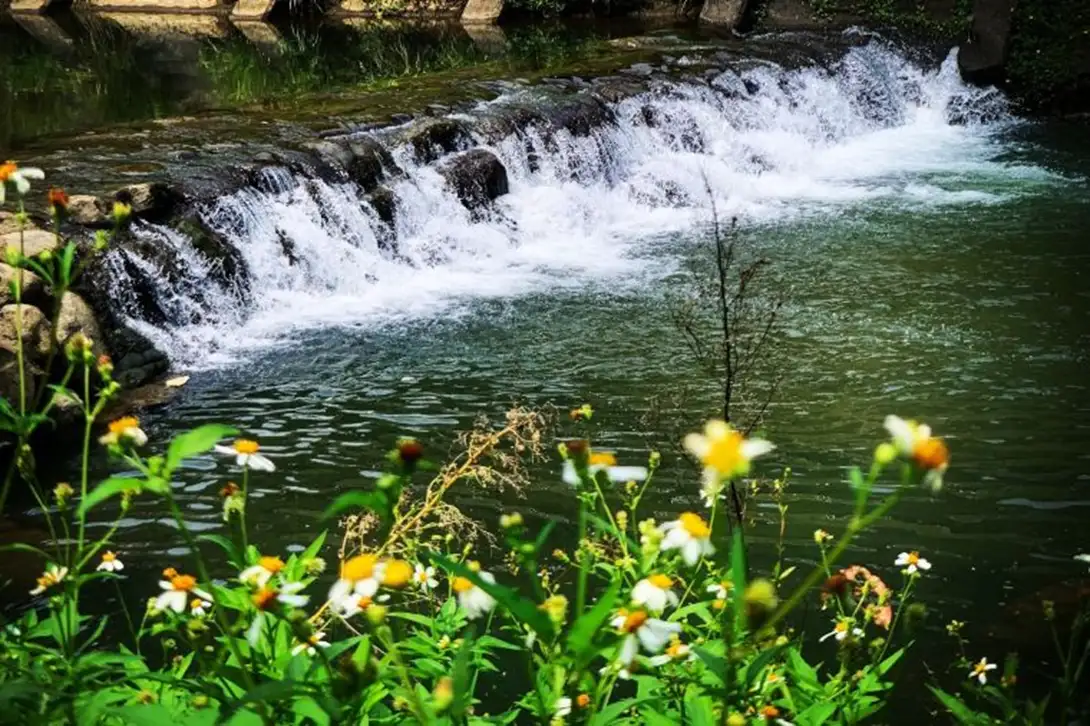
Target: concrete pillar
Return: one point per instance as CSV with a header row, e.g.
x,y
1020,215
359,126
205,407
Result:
x,y
482,11
728,13
253,9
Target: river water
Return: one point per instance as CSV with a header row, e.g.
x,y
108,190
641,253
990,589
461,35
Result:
x,y
931,247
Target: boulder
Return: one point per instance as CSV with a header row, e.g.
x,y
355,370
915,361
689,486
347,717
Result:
x,y
34,241
35,331
579,114
89,211
153,201
33,291
983,58
433,137
8,223
370,163
76,316
384,202
727,13
331,156
477,177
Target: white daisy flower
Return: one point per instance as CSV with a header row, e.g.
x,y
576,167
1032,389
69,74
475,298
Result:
x,y
690,534
655,593
198,608
1083,558
52,576
721,589
246,456
110,563
268,598
915,442
360,577
562,707
641,630
311,645
912,562
602,461
674,652
124,431
980,670
724,452
475,601
259,575
424,577
20,178
711,490
176,593
842,629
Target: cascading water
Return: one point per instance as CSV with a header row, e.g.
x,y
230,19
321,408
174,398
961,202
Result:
x,y
768,143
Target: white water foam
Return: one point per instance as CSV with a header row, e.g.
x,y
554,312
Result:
x,y
772,145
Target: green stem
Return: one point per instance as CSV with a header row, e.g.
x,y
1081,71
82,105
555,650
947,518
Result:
x,y
242,513
584,562
419,709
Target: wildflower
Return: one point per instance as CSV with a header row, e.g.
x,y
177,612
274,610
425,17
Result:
x,y
409,451
915,442
721,589
311,644
58,199
1083,558
443,695
396,573
10,172
360,577
246,455
690,534
105,366
424,577
760,596
639,629
842,630
655,593
63,492
912,562
980,670
582,700
314,566
675,651
259,574
52,576
121,211
562,707
724,452
267,599
110,563
475,601
352,606
556,607
508,521
177,591
603,461
821,536
771,714
198,608
736,719
954,627
124,430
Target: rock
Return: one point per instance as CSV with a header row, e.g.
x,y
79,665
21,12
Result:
x,y
641,70
477,177
76,316
34,241
384,202
153,201
728,13
433,137
335,153
89,211
370,162
35,331
8,223
33,292
983,58
580,114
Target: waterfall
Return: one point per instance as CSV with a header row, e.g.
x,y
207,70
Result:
x,y
584,205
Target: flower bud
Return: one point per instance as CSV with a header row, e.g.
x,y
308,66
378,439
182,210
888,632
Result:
x,y
121,211
508,521
376,614
443,695
102,240
885,453
62,493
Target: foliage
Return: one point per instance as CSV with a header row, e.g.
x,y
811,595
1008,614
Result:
x,y
635,621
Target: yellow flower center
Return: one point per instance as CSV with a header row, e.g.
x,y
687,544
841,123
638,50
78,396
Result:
x,y
981,667
46,580
677,649
358,568
634,621
397,573
913,558
841,627
725,453
770,712
122,425
582,700
245,446
461,585
7,169
264,598
602,458
422,576
170,573
108,557
196,604
931,454
271,564
661,581
183,583
695,525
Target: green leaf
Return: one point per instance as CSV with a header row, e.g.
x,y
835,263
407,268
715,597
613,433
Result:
x,y
715,663
803,672
816,714
196,442
150,714
654,718
523,610
226,545
738,579
109,488
581,638
962,713
307,708
700,711
889,662
613,711
462,680
375,501
757,665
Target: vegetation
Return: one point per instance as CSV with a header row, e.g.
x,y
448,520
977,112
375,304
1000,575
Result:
x,y
637,621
